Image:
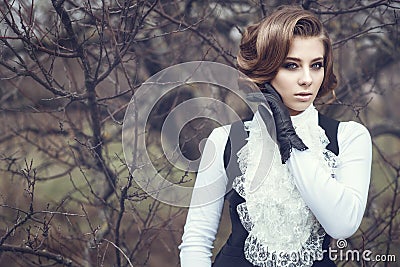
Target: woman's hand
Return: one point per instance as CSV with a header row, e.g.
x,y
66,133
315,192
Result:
x,y
286,135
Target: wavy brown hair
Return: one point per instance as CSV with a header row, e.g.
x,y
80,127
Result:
x,y
265,45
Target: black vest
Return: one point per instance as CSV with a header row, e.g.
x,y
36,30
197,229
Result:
x,y
232,253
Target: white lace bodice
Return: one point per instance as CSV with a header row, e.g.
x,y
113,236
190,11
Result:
x,y
282,229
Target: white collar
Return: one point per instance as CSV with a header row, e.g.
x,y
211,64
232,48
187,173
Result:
x,y
309,115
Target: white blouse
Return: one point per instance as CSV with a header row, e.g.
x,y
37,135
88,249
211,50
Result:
x,y
338,204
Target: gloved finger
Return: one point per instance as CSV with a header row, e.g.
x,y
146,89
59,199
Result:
x,y
268,121
256,97
265,114
298,143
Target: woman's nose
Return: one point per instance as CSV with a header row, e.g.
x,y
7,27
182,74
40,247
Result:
x,y
305,78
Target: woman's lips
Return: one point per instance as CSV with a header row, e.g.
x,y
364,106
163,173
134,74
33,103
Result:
x,y
304,97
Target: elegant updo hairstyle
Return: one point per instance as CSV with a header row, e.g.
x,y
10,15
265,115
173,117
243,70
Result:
x,y
265,45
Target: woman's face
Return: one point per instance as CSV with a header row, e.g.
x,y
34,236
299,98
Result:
x,y
299,78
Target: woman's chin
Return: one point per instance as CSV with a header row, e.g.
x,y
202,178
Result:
x,y
296,110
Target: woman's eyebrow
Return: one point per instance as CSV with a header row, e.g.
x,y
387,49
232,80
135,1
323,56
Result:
x,y
296,59
317,59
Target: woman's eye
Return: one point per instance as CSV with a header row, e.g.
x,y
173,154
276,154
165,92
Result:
x,y
290,66
317,65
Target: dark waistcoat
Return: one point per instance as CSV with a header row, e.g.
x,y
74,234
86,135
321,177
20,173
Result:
x,y
231,254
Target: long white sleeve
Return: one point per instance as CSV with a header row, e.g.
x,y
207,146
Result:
x,y
208,197
338,203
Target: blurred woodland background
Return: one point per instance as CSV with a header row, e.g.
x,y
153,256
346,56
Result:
x,y
68,70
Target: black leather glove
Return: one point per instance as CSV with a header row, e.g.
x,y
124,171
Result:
x,y
285,133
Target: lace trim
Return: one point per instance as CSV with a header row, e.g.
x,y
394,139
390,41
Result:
x,y
282,229
309,253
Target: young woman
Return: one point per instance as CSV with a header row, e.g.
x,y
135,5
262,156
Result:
x,y
318,187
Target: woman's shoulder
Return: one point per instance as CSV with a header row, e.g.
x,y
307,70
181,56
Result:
x,y
352,127
220,133
351,131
